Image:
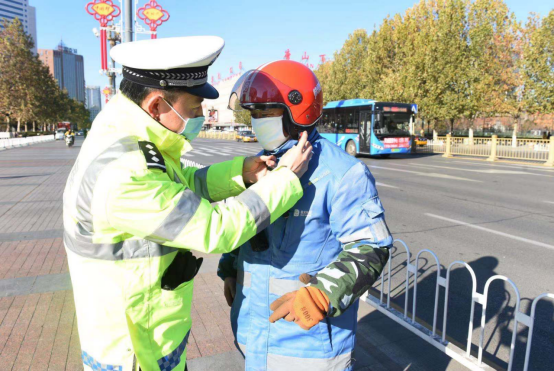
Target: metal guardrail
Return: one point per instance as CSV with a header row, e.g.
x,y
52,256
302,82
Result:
x,y
21,142
462,356
494,148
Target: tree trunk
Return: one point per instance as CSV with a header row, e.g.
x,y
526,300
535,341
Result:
x,y
18,125
34,126
25,126
8,125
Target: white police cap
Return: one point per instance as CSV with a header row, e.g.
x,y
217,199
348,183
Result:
x,y
171,62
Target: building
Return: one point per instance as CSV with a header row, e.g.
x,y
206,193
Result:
x,y
94,111
216,111
11,9
94,97
68,68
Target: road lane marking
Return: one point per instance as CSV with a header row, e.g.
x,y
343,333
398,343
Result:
x,y
384,185
488,164
487,171
432,175
517,238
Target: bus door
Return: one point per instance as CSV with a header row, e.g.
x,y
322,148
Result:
x,y
365,131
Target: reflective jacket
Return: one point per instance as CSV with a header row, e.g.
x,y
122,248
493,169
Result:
x,y
336,233
129,207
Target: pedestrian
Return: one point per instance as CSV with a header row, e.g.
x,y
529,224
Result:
x,y
132,213
294,287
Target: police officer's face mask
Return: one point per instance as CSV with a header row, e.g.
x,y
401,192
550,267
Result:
x,y
192,125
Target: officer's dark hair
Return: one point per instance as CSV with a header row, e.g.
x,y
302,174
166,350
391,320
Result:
x,y
137,93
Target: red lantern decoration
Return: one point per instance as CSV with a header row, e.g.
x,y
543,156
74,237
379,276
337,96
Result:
x,y
103,11
107,91
153,15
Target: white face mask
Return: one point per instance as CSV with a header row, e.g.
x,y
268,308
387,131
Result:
x,y
269,131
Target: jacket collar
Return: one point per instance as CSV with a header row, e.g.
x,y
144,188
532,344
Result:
x,y
279,151
138,122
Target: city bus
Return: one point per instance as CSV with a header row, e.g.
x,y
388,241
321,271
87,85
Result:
x,y
365,126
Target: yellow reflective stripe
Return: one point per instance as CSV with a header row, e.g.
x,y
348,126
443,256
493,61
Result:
x,y
257,208
128,249
338,363
178,218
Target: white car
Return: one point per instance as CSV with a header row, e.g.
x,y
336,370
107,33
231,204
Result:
x,y
60,134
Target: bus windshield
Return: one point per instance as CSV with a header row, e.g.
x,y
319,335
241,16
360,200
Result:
x,y
397,124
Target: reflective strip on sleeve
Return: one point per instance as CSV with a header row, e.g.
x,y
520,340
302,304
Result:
x,y
96,365
280,286
201,183
338,363
84,195
257,208
244,278
173,359
128,249
178,218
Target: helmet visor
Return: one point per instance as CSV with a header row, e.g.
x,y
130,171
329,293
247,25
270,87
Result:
x,y
258,90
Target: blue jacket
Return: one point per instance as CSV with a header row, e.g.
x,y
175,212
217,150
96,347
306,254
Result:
x,y
340,205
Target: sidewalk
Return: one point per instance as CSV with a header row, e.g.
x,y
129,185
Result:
x,y
38,328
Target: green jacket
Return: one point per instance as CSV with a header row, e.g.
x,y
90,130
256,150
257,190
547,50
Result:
x,y
129,207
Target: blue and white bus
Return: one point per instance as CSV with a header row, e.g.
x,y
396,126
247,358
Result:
x,y
365,126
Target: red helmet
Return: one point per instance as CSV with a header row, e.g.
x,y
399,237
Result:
x,y
280,84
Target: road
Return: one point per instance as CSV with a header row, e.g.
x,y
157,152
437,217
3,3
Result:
x,y
497,217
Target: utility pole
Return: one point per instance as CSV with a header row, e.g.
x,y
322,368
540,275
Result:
x,y
128,21
113,37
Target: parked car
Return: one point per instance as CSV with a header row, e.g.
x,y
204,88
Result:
x,y
80,133
420,141
60,134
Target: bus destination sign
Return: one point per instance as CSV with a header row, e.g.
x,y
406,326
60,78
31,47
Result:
x,y
397,142
395,109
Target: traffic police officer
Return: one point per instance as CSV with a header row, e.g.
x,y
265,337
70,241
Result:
x,y
294,288
132,213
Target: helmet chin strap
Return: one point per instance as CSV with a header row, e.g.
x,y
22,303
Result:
x,y
294,130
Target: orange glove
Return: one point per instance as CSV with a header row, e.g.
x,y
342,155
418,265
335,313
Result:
x,y
306,307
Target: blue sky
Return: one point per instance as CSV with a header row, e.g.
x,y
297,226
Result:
x,y
255,32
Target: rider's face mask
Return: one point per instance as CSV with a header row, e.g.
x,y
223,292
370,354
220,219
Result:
x,y
192,125
269,132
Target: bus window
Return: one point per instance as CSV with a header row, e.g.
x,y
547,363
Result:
x,y
352,124
327,123
393,124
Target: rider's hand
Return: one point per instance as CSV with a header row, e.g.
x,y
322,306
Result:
x,y
256,167
298,157
230,289
305,307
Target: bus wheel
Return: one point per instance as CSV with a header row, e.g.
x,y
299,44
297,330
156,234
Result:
x,y
386,155
351,148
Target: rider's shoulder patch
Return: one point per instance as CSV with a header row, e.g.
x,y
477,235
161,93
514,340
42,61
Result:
x,y
154,159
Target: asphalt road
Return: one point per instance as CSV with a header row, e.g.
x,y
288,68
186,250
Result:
x,y
497,217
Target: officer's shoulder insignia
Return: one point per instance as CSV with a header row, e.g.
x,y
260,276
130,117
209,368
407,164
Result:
x,y
154,159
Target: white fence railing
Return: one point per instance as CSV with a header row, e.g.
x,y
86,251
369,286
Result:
x,y
21,142
462,356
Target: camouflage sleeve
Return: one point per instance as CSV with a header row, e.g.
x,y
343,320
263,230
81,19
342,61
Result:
x,y
354,271
357,220
227,266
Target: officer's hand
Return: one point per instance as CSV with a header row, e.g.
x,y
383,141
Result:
x,y
256,167
305,307
230,289
298,157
